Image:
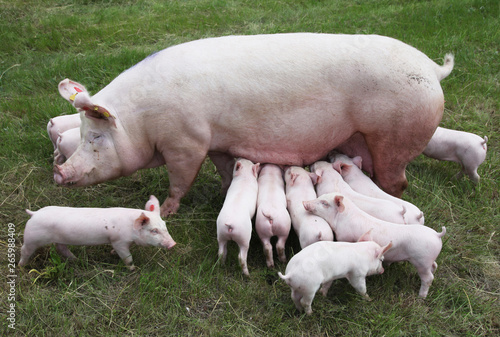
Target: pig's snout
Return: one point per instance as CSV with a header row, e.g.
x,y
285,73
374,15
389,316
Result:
x,y
168,243
60,176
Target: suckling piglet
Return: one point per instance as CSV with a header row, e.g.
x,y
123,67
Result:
x,y
420,245
66,145
465,148
329,181
119,227
235,218
308,227
59,124
350,170
272,218
320,263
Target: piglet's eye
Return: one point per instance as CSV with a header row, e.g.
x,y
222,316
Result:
x,y
155,231
324,203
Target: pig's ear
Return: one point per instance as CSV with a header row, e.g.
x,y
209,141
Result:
x,y
358,161
338,166
319,174
339,202
293,176
69,89
367,236
314,178
153,205
141,221
385,249
256,169
93,111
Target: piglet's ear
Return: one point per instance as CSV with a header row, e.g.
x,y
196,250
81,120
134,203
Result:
x,y
338,166
69,89
339,202
256,169
385,249
367,236
358,161
153,205
141,221
314,178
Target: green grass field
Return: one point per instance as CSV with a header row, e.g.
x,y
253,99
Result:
x,y
185,291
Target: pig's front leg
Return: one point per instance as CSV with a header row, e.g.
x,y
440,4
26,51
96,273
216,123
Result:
x,y
224,164
182,167
359,283
123,251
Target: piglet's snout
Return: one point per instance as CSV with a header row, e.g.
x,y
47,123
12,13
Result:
x,y
168,243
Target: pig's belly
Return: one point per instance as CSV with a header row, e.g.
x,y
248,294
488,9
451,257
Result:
x,y
292,151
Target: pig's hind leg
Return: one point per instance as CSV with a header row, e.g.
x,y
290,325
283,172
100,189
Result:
x,y
280,248
268,252
64,251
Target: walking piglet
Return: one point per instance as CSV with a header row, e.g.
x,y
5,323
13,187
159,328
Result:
x,y
465,148
320,263
95,226
235,218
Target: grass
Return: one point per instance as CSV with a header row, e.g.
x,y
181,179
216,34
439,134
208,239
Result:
x,y
185,291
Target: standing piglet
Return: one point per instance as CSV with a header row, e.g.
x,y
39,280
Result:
x,y
350,169
329,181
272,217
95,226
66,144
300,187
235,218
465,148
420,245
319,264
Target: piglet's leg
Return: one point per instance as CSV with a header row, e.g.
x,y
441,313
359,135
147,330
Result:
x,y
242,257
325,286
268,252
359,283
64,251
26,252
280,248
123,251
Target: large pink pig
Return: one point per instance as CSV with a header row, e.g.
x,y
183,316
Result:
x,y
272,217
420,245
350,170
329,181
465,148
234,222
286,99
308,227
95,226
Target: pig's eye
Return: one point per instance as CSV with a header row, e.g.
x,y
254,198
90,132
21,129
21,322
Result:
x,y
155,231
324,203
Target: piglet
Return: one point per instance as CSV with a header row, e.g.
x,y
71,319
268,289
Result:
x,y
308,227
329,181
320,263
350,170
420,245
95,226
465,148
66,145
59,124
272,217
235,218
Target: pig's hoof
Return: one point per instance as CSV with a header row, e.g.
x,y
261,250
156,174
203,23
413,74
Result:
x,y
131,268
367,298
113,252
